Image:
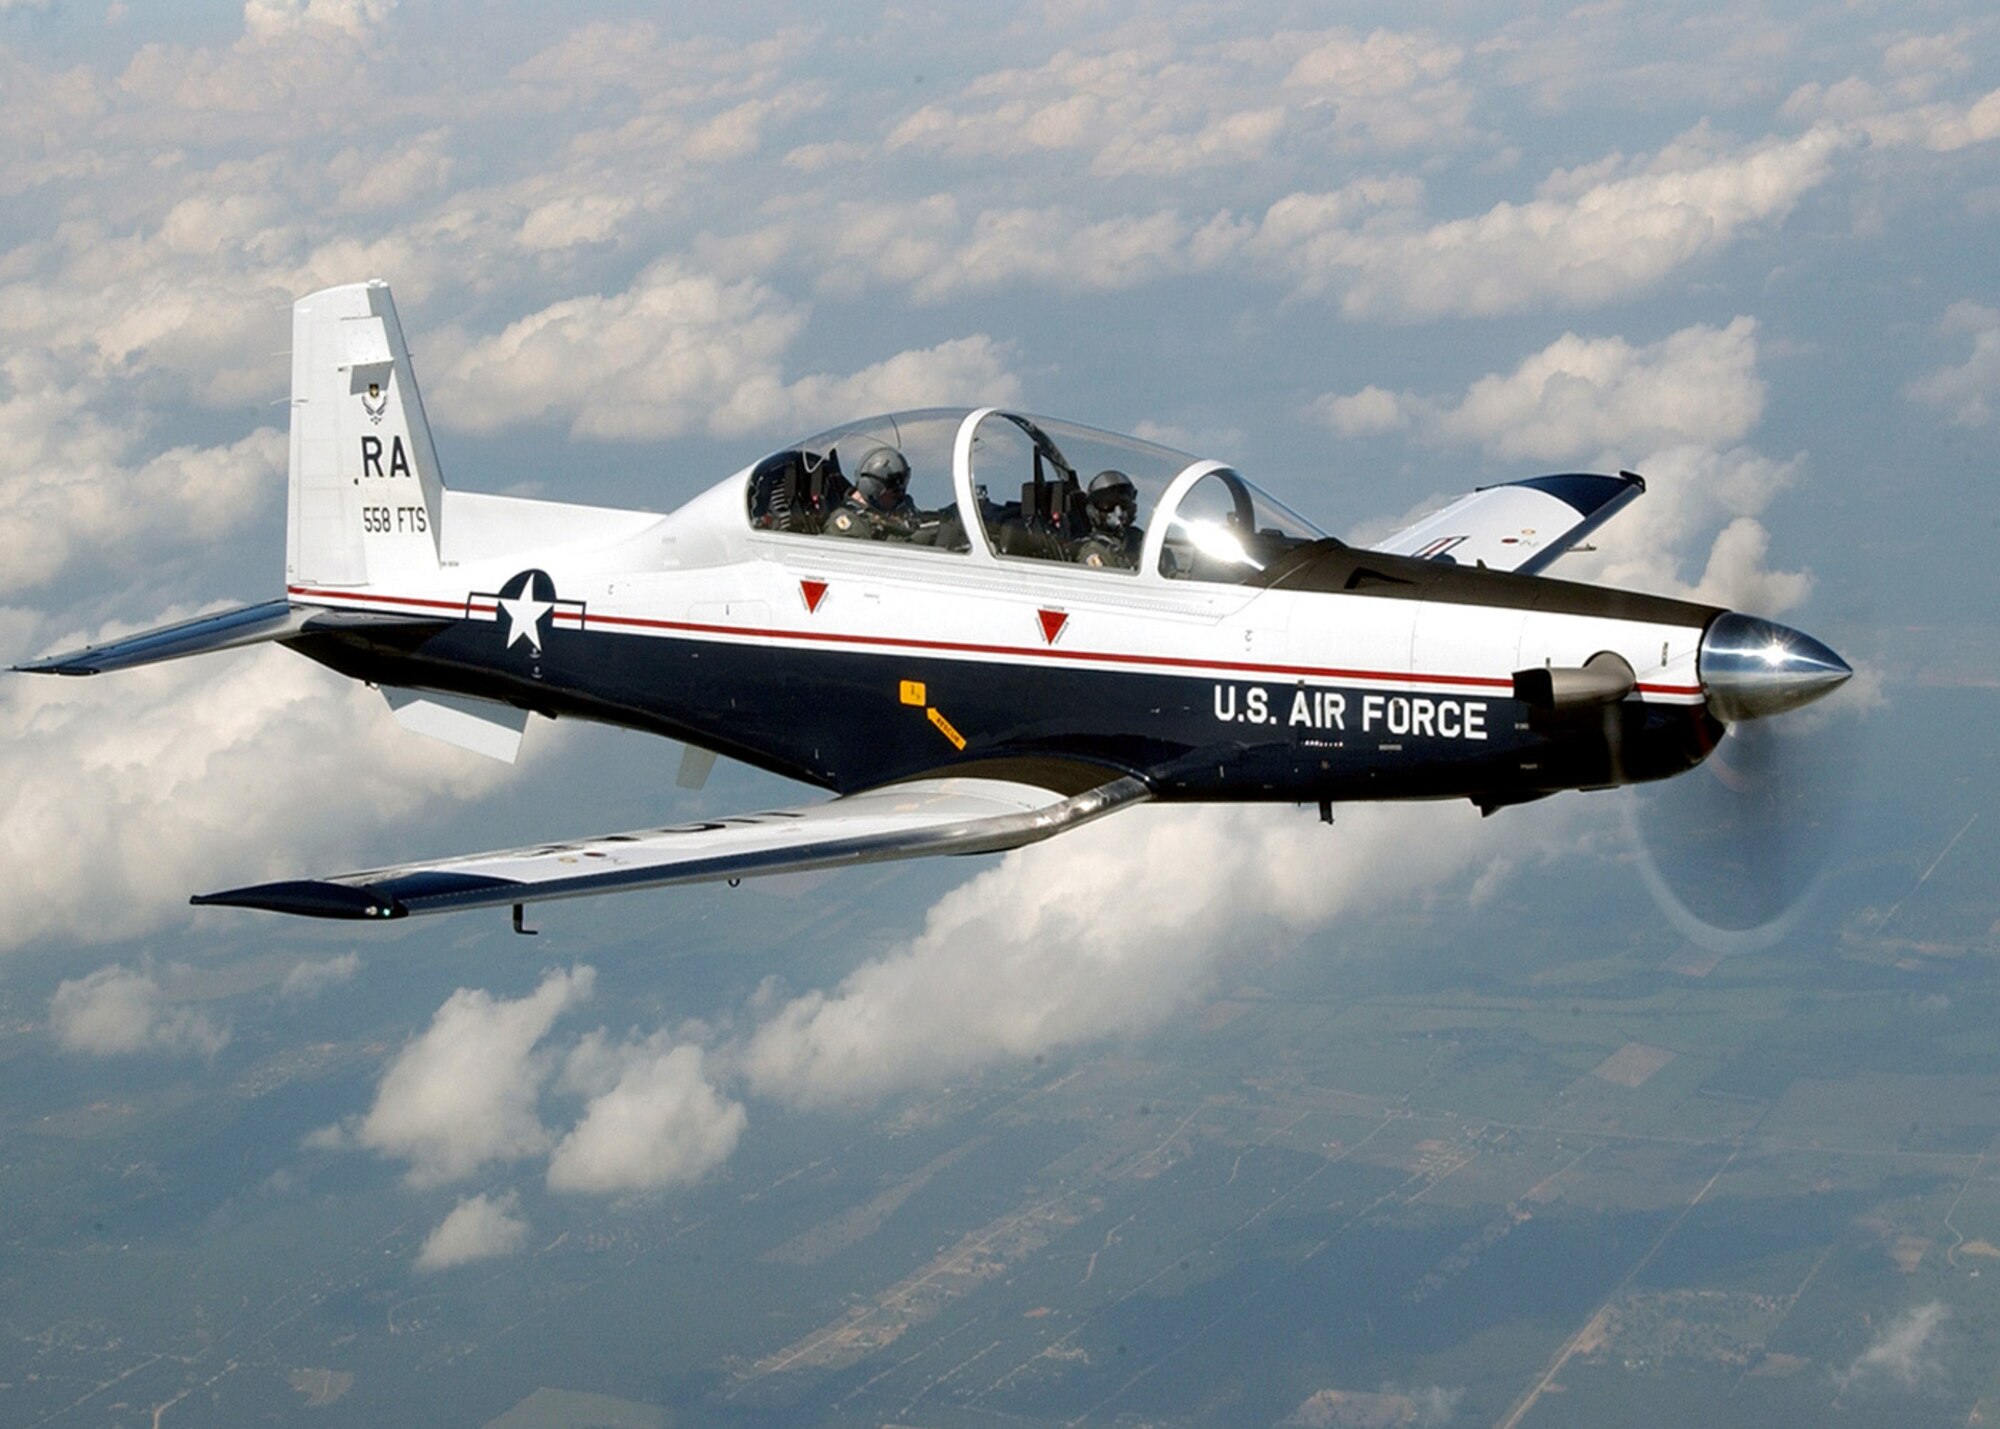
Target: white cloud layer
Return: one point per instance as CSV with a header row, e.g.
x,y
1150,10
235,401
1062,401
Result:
x,y
683,351
73,485
119,1010
466,1094
1579,395
140,777
1601,233
1898,109
1159,107
1104,932
463,1094
479,1228
653,1119
1903,1354
1582,395
1969,393
1677,410
1584,241
312,976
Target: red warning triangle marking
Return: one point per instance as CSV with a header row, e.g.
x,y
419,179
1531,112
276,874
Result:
x,y
1053,622
814,592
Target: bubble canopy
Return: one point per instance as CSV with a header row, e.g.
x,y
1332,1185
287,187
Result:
x,y
1003,487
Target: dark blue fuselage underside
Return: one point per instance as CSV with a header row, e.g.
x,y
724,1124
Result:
x,y
840,718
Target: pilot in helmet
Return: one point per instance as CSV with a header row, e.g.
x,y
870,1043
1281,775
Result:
x,y
1112,504
878,508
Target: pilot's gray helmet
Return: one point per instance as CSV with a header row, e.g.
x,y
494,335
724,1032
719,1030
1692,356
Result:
x,y
883,477
1113,500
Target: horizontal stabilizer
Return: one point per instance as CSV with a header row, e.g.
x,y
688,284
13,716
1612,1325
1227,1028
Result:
x,y
247,625
898,821
1521,526
482,726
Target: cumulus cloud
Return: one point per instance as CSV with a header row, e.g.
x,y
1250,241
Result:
x,y
1426,1408
203,187
1700,514
652,361
1386,90
464,1093
1643,60
966,371
1615,238
1582,394
1367,413
1677,410
1738,573
119,1010
653,1119
1129,108
1160,107
139,778
1698,387
74,486
1968,393
307,52
356,19
1031,955
1903,1354
310,977
933,249
479,1228
684,351
630,58
1902,104
1046,246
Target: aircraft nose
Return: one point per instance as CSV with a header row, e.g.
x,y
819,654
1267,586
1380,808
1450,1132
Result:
x,y
1750,668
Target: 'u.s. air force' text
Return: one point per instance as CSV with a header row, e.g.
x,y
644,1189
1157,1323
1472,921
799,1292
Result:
x,y
1422,716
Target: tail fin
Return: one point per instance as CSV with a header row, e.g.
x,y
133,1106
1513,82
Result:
x,y
366,493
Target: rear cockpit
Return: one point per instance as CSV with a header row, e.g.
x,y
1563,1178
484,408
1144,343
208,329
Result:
x,y
1000,487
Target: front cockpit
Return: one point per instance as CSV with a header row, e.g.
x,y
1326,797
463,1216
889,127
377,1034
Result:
x,y
999,487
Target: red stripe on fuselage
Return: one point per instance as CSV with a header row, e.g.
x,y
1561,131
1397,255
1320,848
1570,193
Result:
x,y
957,647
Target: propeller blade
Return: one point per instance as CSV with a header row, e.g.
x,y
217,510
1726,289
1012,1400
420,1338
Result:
x,y
1734,852
696,763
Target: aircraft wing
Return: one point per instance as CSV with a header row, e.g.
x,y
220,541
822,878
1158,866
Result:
x,y
248,625
897,821
1521,526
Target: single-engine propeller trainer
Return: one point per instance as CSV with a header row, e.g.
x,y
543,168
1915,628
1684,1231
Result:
x,y
977,628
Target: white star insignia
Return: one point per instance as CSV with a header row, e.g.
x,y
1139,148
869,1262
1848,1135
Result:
x,y
524,615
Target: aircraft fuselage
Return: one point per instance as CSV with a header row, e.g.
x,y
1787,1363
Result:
x,y
1351,675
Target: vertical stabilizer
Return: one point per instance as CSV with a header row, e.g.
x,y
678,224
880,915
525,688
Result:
x,y
366,493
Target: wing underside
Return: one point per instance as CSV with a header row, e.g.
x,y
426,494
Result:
x,y
909,820
1521,526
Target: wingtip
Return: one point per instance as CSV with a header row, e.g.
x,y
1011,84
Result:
x,y
308,898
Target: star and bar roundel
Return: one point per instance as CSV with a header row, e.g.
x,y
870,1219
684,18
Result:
x,y
530,608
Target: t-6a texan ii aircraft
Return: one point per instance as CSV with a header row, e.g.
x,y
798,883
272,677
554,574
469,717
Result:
x,y
976,628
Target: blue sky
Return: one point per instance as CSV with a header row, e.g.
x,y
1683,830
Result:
x,y
1371,258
